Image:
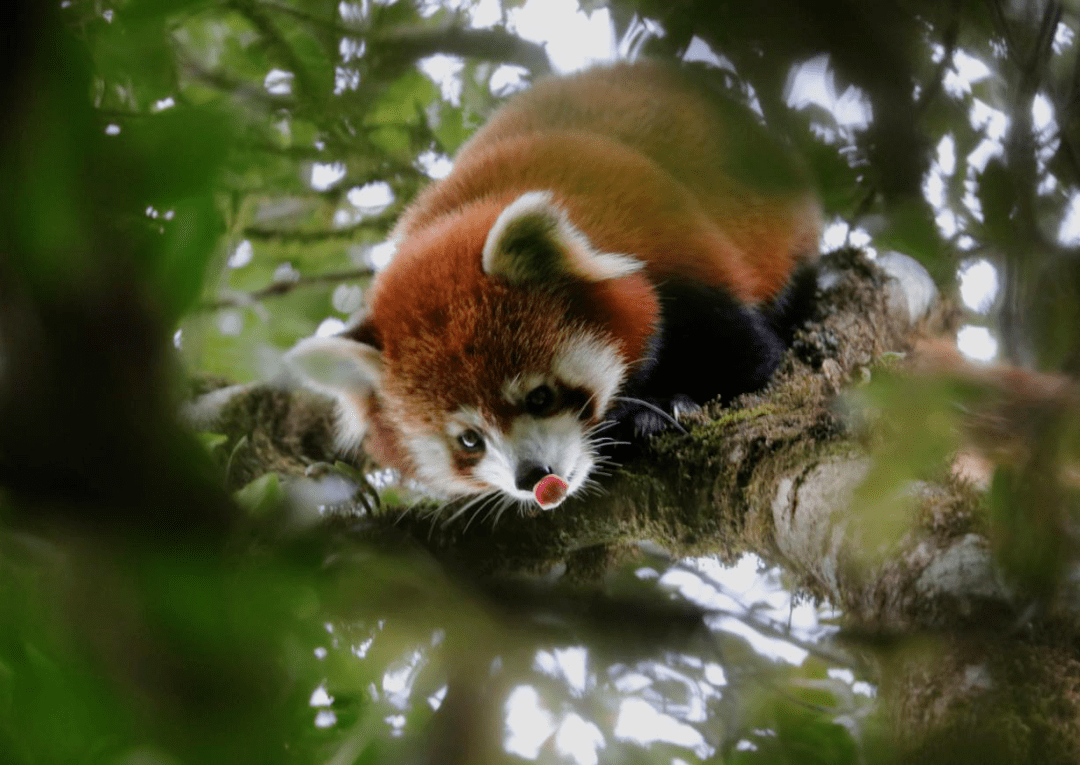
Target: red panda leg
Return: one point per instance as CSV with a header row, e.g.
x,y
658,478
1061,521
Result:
x,y
795,304
709,346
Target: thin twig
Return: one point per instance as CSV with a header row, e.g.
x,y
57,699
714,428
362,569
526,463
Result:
x,y
492,44
277,289
949,39
378,222
413,43
319,21
278,46
224,82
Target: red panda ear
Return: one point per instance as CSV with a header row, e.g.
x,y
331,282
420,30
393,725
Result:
x,y
344,369
533,240
335,364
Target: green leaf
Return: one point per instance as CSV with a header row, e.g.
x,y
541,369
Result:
x,y
179,152
403,101
262,495
910,229
186,252
134,61
211,441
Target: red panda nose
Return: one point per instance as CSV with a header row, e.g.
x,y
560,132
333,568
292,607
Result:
x,y
529,474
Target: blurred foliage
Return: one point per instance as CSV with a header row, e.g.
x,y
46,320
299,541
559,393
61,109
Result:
x,y
207,173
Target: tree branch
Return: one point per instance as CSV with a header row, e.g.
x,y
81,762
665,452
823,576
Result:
x,y
491,44
378,222
416,43
774,474
280,48
949,39
277,289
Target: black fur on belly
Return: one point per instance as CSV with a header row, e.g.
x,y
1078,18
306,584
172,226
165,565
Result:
x,y
795,303
711,346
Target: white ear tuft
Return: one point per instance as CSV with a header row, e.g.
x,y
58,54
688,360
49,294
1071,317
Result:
x,y
533,240
335,365
345,369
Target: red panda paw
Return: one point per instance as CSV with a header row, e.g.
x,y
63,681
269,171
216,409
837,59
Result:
x,y
650,416
684,408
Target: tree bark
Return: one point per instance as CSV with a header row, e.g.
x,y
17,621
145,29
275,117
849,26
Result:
x,y
784,474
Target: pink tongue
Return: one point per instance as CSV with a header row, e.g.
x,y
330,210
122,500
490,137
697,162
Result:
x,y
550,490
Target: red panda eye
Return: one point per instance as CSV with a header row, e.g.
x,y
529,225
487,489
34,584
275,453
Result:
x,y
471,441
540,400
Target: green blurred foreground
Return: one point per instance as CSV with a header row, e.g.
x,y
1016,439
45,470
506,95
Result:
x,y
145,617
161,165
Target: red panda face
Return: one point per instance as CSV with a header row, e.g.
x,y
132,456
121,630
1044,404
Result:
x,y
516,391
505,325
490,354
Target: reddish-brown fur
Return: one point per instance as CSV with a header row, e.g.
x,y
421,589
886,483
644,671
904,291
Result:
x,y
612,142
496,329
641,163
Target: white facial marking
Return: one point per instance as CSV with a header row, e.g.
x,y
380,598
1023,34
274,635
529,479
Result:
x,y
515,389
431,451
557,442
467,418
432,460
589,362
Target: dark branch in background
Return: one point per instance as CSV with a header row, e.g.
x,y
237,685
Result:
x,y
1031,54
1068,120
277,289
411,44
224,82
319,21
490,44
379,223
929,93
279,48
1065,104
948,41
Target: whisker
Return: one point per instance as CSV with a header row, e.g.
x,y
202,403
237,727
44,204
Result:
x,y
591,487
601,427
479,509
608,442
653,408
585,406
465,507
472,517
600,458
491,508
598,437
505,505
433,515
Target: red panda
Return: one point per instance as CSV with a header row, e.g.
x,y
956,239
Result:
x,y
609,243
